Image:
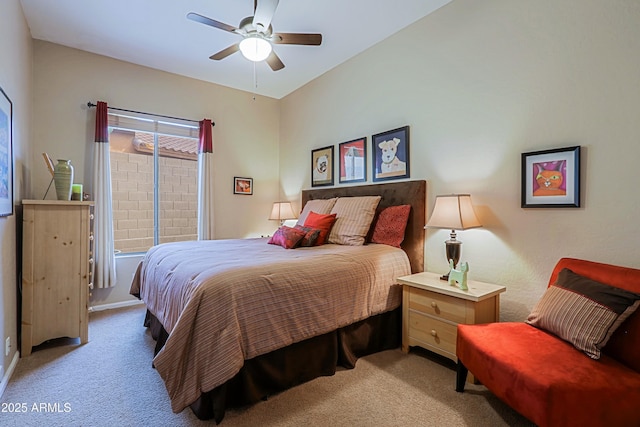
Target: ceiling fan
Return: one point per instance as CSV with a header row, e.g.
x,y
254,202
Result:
x,y
257,35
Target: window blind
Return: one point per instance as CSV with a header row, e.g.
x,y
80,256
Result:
x,y
151,123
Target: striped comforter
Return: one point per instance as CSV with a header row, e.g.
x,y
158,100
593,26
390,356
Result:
x,y
224,301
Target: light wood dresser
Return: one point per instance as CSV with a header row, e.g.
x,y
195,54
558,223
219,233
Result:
x,y
57,266
432,310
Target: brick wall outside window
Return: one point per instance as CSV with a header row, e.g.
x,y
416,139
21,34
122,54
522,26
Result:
x,y
132,185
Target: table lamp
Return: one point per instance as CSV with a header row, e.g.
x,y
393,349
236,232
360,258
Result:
x,y
282,211
453,212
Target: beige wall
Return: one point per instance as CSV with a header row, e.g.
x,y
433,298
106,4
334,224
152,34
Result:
x,y
481,82
15,80
245,135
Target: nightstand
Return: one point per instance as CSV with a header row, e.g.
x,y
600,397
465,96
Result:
x,y
432,310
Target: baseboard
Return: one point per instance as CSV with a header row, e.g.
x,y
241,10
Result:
x,y
113,305
7,375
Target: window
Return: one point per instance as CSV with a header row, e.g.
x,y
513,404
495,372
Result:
x,y
154,176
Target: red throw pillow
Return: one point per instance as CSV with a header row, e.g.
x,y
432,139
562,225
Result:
x,y
390,226
287,237
322,222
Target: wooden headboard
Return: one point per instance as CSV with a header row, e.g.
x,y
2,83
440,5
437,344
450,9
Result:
x,y
412,193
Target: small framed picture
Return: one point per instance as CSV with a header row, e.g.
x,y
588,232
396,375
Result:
x,y
242,185
6,155
353,160
391,154
322,166
551,178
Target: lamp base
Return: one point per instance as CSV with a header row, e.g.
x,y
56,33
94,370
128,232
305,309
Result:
x,y
453,247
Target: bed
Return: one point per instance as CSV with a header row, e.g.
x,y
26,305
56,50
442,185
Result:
x,y
238,320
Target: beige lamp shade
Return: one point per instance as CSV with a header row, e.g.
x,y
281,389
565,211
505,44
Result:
x,y
282,211
453,212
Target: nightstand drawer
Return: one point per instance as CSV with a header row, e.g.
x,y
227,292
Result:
x,y
433,332
444,306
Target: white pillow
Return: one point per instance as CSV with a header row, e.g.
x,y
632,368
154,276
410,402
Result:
x,y
353,219
319,206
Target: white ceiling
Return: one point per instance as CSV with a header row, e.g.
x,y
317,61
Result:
x,y
157,34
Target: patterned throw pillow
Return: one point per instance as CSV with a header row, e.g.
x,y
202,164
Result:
x,y
322,222
311,235
353,219
583,311
390,225
287,237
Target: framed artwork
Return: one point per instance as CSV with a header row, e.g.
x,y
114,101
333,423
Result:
x,y
551,178
353,160
322,166
242,185
6,155
391,154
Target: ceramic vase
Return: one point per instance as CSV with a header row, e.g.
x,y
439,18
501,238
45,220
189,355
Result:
x,y
63,178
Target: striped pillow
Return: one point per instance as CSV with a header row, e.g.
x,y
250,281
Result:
x,y
583,311
319,206
353,219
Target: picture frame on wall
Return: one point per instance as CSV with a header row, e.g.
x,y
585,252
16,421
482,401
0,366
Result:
x,y
390,154
242,186
353,160
551,178
322,166
6,154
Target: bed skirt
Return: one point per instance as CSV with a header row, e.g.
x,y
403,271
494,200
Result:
x,y
298,363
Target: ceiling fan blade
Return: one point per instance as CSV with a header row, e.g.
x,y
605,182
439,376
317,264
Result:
x,y
297,38
212,23
274,62
264,11
225,52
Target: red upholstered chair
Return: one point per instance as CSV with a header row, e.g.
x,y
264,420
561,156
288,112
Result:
x,y
547,379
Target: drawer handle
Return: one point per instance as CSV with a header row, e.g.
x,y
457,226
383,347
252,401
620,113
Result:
x,y
434,304
434,333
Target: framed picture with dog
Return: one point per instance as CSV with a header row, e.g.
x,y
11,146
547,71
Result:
x,y
322,166
391,154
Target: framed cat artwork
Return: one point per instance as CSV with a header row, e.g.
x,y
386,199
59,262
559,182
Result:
x,y
551,178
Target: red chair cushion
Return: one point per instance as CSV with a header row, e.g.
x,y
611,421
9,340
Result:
x,y
547,379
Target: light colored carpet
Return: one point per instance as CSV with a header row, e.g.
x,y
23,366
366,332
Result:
x,y
110,382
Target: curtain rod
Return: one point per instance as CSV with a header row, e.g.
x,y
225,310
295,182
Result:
x,y
91,104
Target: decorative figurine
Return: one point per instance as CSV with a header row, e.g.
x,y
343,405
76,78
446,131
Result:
x,y
459,277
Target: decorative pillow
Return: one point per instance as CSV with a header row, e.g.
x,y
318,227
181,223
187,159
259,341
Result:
x,y
321,206
311,235
287,237
322,222
390,225
583,311
353,219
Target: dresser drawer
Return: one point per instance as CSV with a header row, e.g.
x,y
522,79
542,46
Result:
x,y
438,305
433,332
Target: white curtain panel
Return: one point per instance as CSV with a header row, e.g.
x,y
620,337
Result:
x,y
205,196
104,254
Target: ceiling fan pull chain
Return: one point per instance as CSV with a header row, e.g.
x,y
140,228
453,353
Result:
x,y
255,80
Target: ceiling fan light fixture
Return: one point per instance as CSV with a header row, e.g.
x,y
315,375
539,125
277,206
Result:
x,y
255,48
